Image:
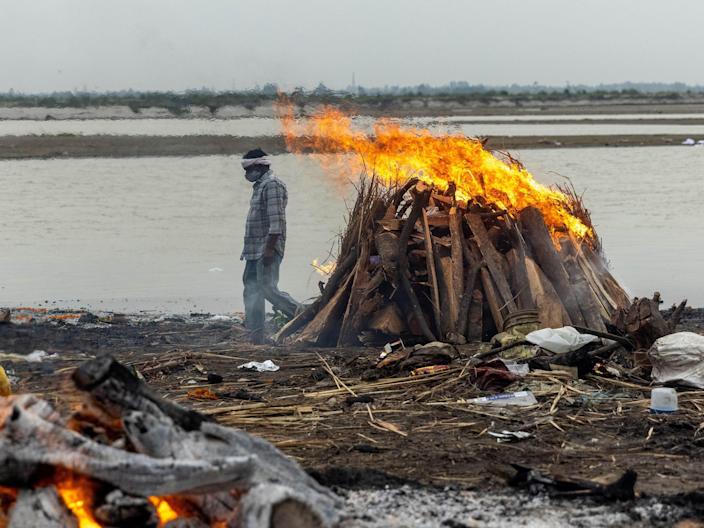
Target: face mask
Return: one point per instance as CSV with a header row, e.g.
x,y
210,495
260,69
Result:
x,y
253,175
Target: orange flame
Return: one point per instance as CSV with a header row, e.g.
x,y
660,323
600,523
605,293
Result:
x,y
395,154
77,494
324,268
164,510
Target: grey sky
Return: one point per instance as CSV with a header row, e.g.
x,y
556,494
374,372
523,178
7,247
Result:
x,y
177,44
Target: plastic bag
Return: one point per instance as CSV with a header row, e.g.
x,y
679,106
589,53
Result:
x,y
260,366
678,357
560,340
507,399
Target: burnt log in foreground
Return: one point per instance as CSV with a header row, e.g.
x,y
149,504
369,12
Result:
x,y
418,264
221,475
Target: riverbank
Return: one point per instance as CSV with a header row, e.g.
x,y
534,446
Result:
x,y
104,146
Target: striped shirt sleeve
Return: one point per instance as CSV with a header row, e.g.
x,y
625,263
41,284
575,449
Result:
x,y
275,198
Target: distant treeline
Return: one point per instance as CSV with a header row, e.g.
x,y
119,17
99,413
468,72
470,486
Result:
x,y
461,92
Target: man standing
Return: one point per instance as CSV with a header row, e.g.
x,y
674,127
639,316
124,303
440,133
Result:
x,y
264,243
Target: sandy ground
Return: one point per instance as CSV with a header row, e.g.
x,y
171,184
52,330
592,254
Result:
x,y
369,433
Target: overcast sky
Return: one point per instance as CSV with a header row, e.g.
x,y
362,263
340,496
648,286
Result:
x,y
223,44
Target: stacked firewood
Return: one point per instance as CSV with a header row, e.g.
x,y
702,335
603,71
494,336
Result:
x,y
416,263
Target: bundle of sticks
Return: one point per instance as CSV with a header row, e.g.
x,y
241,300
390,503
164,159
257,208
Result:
x,y
418,264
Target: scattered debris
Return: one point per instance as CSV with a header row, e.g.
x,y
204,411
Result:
x,y
37,356
537,482
260,366
202,393
509,436
520,399
214,378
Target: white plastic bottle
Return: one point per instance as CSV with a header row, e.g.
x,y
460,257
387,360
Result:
x,y
663,400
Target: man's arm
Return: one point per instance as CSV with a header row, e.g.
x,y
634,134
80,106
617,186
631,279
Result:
x,y
275,196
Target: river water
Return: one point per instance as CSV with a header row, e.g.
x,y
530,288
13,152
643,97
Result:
x,y
165,233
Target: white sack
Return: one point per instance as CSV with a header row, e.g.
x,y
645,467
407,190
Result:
x,y
560,340
679,357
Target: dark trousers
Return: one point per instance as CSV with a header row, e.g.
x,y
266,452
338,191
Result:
x,y
261,283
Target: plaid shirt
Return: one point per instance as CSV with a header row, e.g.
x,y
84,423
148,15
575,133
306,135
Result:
x,y
267,216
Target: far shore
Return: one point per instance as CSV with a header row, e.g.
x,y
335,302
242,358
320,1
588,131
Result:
x,y
69,146
391,107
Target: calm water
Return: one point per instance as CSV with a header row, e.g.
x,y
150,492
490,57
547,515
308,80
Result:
x,y
259,126
165,233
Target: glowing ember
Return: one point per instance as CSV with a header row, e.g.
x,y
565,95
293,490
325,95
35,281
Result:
x,y
77,494
395,153
325,268
164,510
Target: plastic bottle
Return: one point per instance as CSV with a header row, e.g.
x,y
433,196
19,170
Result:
x,y
663,400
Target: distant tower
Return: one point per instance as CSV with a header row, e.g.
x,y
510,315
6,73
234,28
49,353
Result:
x,y
354,85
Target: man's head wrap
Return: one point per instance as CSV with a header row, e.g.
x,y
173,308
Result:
x,y
255,157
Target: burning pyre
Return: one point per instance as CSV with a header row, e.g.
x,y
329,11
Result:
x,y
448,241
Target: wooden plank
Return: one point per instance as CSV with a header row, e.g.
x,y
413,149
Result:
x,y
476,310
432,274
457,238
551,311
493,262
330,314
449,308
536,233
493,298
519,274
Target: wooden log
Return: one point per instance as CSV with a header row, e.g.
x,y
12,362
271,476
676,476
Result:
x,y
467,297
642,321
493,263
589,304
475,328
493,298
331,287
517,264
421,199
432,274
40,508
328,317
536,233
611,285
456,250
112,387
387,320
347,327
448,298
551,311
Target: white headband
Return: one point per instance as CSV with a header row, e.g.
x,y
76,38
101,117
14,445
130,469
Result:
x,y
246,163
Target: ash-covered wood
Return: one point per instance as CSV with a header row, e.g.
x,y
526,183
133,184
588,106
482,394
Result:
x,y
40,508
454,271
31,435
154,427
120,509
229,478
